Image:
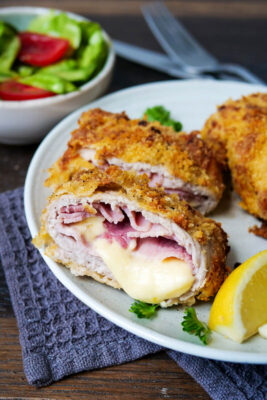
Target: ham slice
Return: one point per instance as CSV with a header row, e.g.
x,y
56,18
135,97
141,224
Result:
x,y
179,163
137,221
163,249
114,215
198,197
131,228
73,213
118,232
111,226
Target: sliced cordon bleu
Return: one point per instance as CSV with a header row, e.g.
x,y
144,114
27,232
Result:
x,y
111,226
237,136
178,162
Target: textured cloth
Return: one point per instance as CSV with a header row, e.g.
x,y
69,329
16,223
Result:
x,y
60,336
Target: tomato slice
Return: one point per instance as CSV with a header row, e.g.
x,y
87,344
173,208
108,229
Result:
x,y
13,90
41,50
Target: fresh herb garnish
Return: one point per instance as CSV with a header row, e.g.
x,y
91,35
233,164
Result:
x,y
159,113
192,325
143,310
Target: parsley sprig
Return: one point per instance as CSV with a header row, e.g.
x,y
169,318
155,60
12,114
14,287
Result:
x,y
143,310
159,113
192,325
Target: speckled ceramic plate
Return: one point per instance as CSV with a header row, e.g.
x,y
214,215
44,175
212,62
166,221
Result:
x,y
191,102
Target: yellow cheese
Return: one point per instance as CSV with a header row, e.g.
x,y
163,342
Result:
x,y
145,279
91,227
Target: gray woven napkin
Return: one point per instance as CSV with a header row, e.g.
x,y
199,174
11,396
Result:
x,y
60,336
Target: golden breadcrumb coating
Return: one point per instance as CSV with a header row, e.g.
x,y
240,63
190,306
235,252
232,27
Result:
x,y
65,168
237,133
135,188
115,135
260,230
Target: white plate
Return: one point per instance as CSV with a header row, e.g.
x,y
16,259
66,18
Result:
x,y
191,102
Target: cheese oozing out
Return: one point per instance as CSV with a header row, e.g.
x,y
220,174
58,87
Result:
x,y
145,279
142,277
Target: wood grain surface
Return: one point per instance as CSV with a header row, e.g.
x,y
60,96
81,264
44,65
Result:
x,y
200,8
234,31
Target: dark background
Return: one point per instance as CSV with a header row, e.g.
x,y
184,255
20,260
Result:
x,y
233,31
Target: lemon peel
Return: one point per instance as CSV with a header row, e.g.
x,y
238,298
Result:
x,y
240,306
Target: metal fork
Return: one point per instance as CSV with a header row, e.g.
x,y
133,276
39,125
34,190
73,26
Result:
x,y
183,49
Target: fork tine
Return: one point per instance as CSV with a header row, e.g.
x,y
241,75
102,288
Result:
x,y
172,32
152,18
183,48
174,38
166,33
176,31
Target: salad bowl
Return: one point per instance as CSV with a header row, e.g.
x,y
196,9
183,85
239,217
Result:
x,y
24,122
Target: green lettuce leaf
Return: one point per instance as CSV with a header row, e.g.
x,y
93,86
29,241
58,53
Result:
x,y
69,70
58,25
6,75
49,82
25,70
9,46
88,28
88,57
94,53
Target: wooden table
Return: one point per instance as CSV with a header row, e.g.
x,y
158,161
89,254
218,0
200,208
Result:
x,y
234,31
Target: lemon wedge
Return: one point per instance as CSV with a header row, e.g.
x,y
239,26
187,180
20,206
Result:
x,y
240,306
263,331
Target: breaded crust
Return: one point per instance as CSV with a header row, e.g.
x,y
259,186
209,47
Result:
x,y
260,230
132,141
204,230
79,270
237,134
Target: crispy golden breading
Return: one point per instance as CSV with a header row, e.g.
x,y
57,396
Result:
x,y
132,141
65,168
260,230
204,230
237,133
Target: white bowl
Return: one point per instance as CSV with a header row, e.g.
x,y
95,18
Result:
x,y
24,122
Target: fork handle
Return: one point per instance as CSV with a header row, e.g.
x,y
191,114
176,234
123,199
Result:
x,y
223,69
242,73
234,69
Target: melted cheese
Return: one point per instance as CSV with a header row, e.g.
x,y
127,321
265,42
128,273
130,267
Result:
x,y
142,278
145,279
90,228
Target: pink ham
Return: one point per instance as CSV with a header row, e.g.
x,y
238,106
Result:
x,y
156,230
143,233
158,180
187,196
127,227
161,249
155,179
119,232
137,220
111,215
73,213
197,197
